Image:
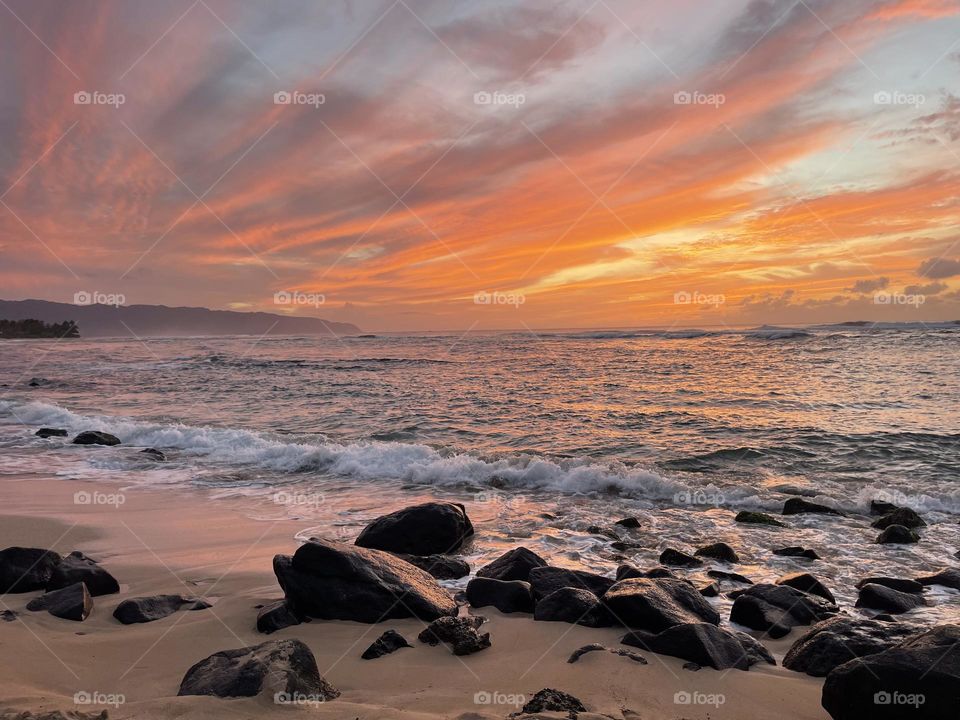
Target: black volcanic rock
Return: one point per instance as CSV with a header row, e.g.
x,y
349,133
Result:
x,y
154,454
798,506
705,644
77,567
69,603
901,584
434,528
547,579
513,565
154,607
26,569
629,522
881,597
830,643
678,558
731,576
878,507
96,437
656,604
719,551
459,633
550,700
808,584
442,567
337,581
901,516
507,596
798,552
948,577
389,642
50,432
276,616
776,609
572,605
284,667
625,572
757,518
897,535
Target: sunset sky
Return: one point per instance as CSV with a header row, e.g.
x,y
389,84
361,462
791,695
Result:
x,y
602,162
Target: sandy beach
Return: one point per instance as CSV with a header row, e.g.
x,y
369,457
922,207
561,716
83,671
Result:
x,y
156,543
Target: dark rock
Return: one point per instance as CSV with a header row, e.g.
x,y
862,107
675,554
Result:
x,y
797,551
434,528
798,506
442,567
95,437
808,584
918,678
624,546
832,642
901,516
948,577
148,609
77,567
276,616
679,559
546,580
513,565
154,454
572,605
901,584
507,596
389,642
630,522
711,590
549,700
594,647
775,609
705,644
757,518
51,432
69,603
656,604
597,530
336,581
692,666
898,535
8,615
26,569
882,508
731,576
881,597
459,633
719,551
625,572
276,666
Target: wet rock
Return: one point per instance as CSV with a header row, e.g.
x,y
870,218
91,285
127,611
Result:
x,y
623,546
276,616
798,506
513,565
918,678
901,516
8,615
897,535
459,633
731,576
77,567
831,643
656,604
154,454
711,590
882,508
434,528
507,596
597,530
719,551
595,647
26,569
442,567
880,597
546,580
285,667
389,642
69,603
50,432
678,558
798,552
901,584
705,644
336,581
808,584
572,605
757,518
625,572
630,522
948,577
776,609
155,607
550,700
95,437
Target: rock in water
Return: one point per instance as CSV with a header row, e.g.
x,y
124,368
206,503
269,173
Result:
x,y
628,522
897,535
840,639
625,572
434,528
719,551
678,558
808,584
775,609
878,507
550,700
284,668
797,551
77,567
50,432
757,518
95,437
154,454
513,565
948,577
507,596
655,604
918,678
705,644
901,584
26,569
880,597
389,642
336,581
148,609
546,580
901,516
572,605
69,603
798,506
460,633
732,577
442,567
276,616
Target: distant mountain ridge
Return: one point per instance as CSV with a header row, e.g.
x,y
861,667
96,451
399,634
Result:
x,y
163,321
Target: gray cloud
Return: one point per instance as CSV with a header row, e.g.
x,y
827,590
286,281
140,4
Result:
x,y
938,268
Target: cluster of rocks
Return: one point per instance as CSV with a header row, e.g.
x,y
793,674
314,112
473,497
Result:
x,y
96,437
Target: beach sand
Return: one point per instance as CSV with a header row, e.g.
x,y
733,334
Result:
x,y
178,542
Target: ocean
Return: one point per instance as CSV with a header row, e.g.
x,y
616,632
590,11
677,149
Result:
x,y
544,437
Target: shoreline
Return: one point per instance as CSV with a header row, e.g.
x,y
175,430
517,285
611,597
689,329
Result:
x,y
159,542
